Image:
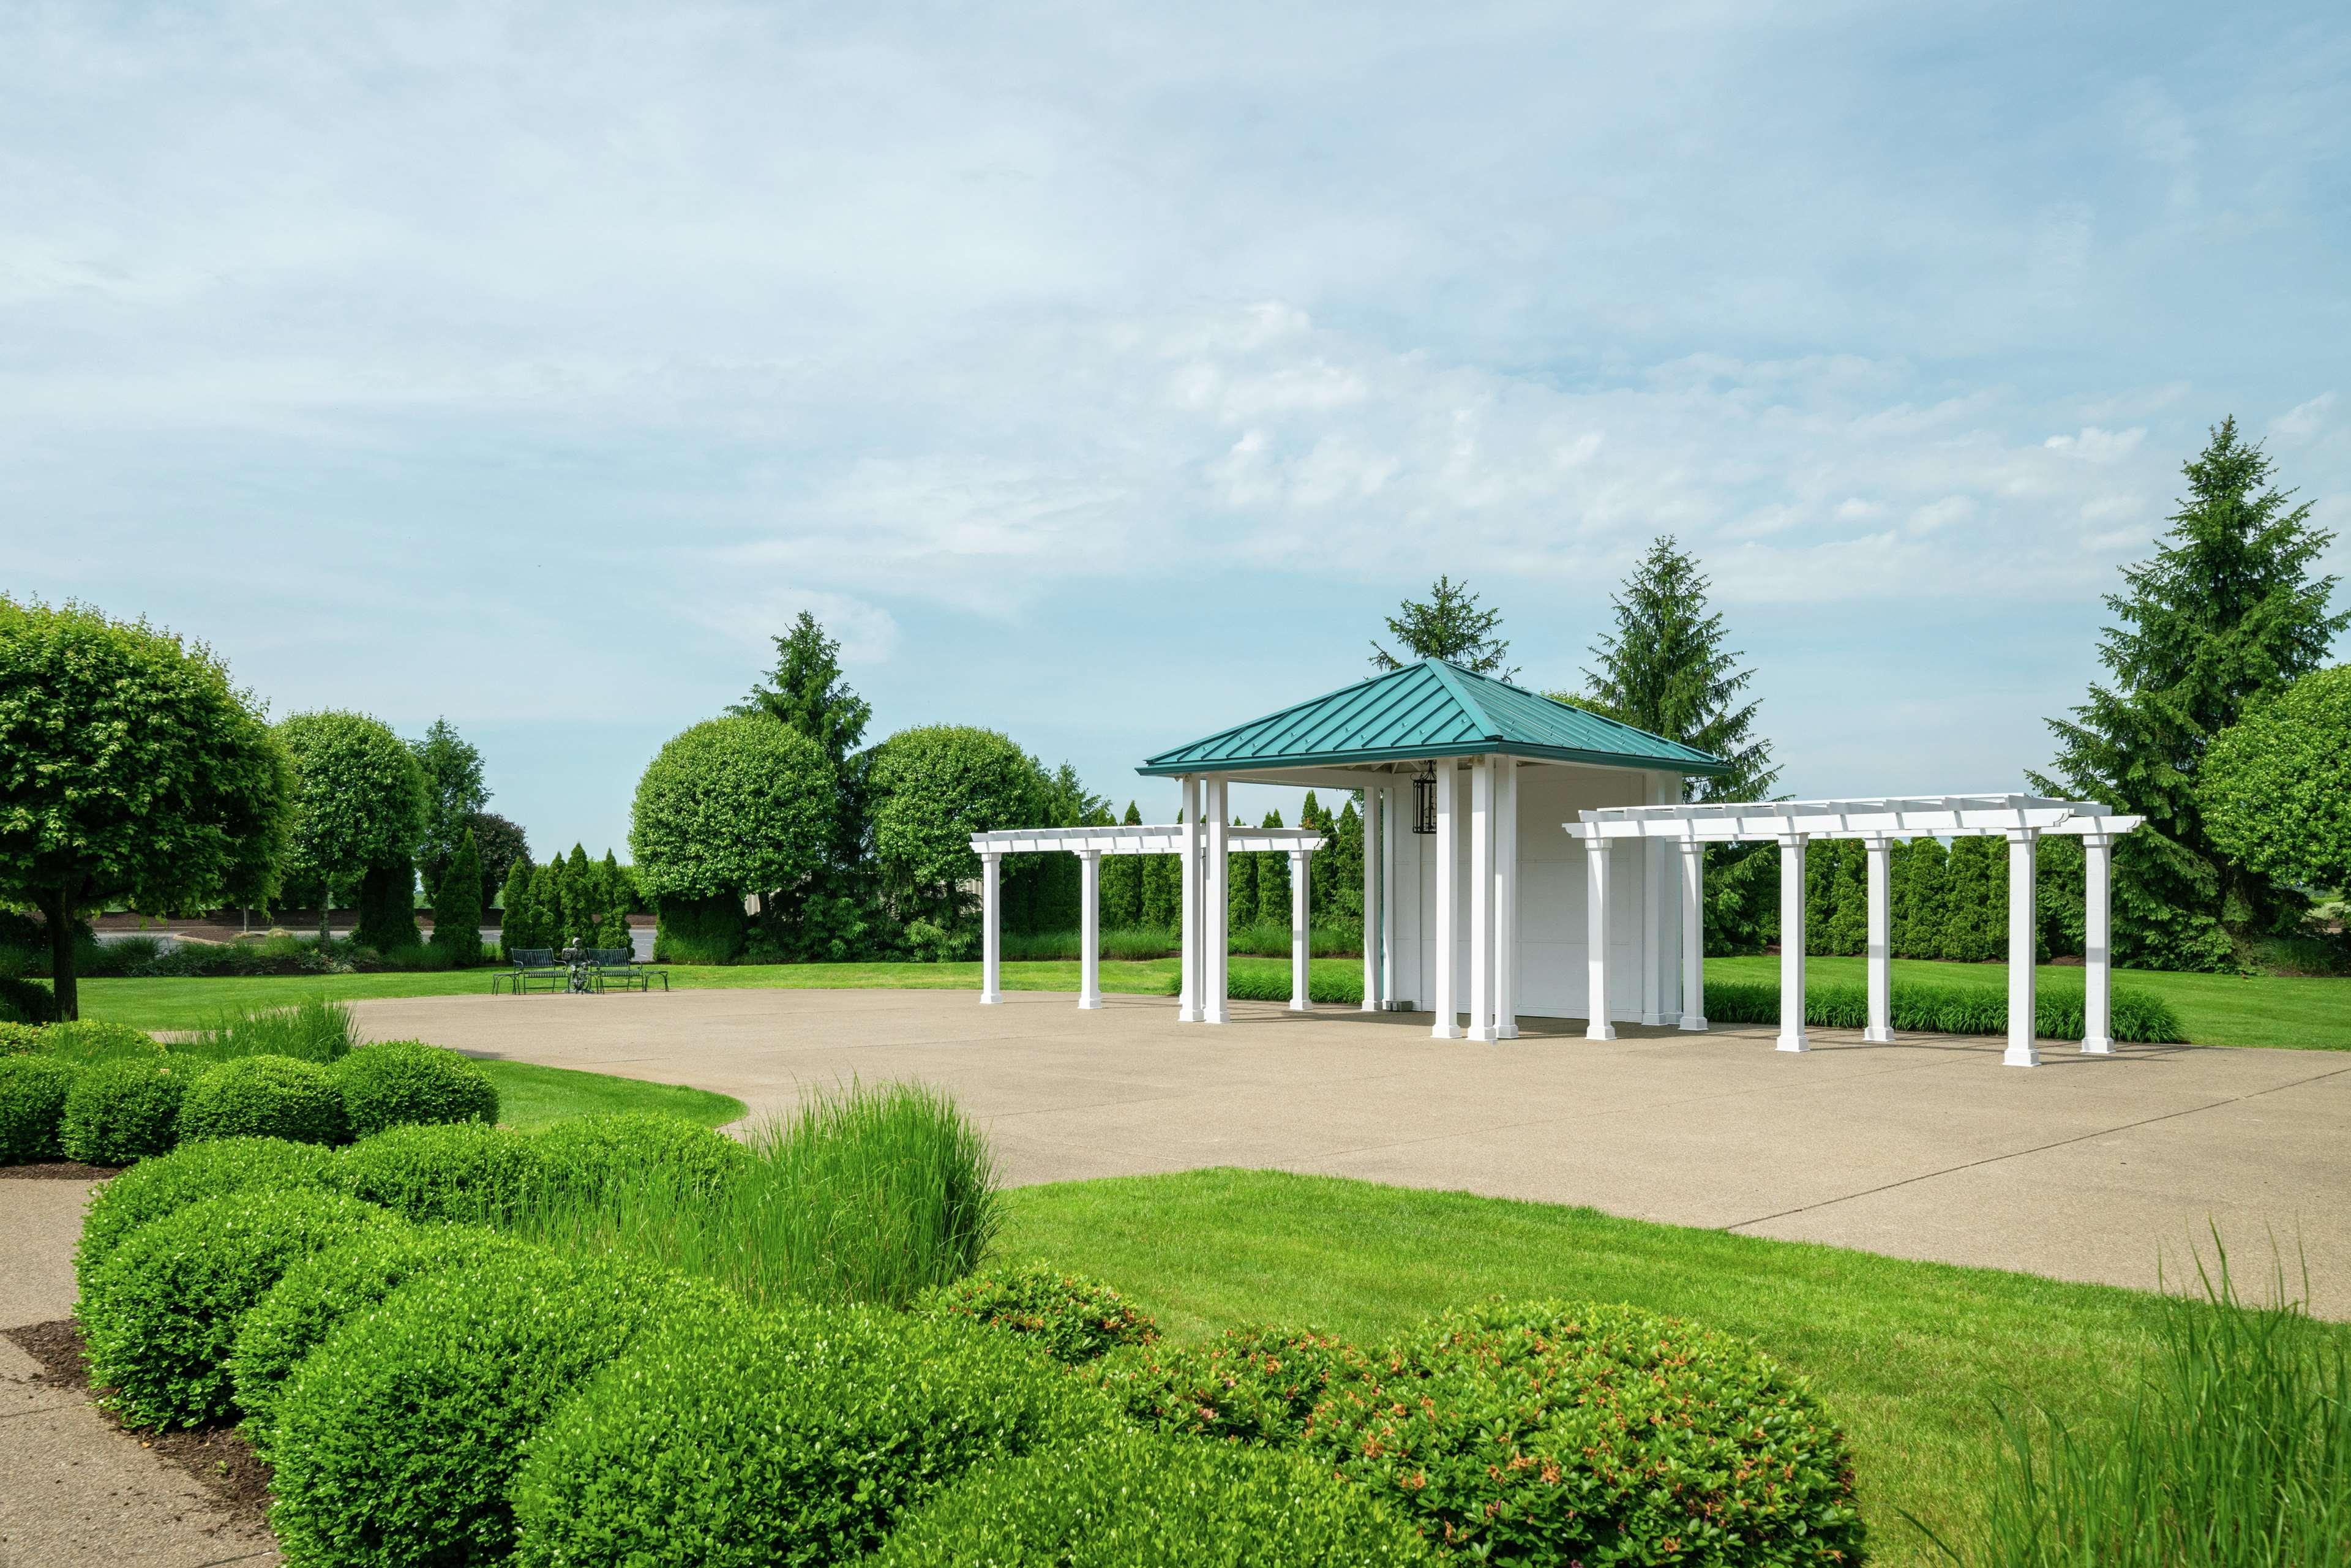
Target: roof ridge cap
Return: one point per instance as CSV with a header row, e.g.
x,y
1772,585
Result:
x,y
1448,674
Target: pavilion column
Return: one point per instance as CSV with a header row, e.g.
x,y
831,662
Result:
x,y
1301,950
991,929
1791,944
1597,854
1481,899
1216,895
1693,935
1506,898
1880,1029
1445,1000
2023,950
1374,819
1188,1009
2097,945
1090,928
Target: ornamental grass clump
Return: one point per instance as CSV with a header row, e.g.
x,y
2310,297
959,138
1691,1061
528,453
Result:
x,y
793,1438
312,1030
265,1097
156,1187
1144,1499
90,1040
406,1082
1068,1316
456,1170
123,1111
33,1093
159,1317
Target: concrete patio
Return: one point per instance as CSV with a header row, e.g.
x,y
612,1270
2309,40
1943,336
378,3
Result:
x,y
2084,1169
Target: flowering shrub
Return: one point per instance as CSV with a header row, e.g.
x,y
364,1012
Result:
x,y
1071,1318
1252,1385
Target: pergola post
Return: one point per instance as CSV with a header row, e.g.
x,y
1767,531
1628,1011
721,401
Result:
x,y
991,929
1374,819
1880,1029
1595,939
1188,1009
1446,1001
2022,928
2097,945
1506,898
1791,944
1216,895
1090,928
1300,949
1481,899
1693,935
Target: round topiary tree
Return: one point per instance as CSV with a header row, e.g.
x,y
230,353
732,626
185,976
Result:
x,y
457,1170
403,1082
153,1188
160,1316
265,1097
359,809
123,1111
2275,787
586,1155
1068,1316
791,1437
131,772
1142,1499
730,806
32,1092
934,787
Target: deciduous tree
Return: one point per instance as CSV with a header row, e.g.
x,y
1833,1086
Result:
x,y
730,806
2276,790
358,807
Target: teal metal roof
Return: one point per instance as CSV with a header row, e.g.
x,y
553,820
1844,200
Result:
x,y
1429,709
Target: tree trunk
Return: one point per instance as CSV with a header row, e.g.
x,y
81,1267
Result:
x,y
58,911
325,905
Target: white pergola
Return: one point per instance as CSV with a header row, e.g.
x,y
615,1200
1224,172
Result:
x,y
1203,840
2021,820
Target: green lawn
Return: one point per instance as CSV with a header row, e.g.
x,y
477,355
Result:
x,y
530,1096
1907,1356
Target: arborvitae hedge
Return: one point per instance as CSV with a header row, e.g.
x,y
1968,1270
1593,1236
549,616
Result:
x,y
1975,918
517,921
388,908
1925,893
1273,879
1241,887
457,903
1122,883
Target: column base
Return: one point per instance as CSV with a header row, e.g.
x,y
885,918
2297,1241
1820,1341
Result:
x,y
1483,1033
2102,1045
1653,1021
1215,1015
1188,1015
1444,1031
1874,1035
1599,1029
1798,1041
1298,1007
991,998
1694,1022
2021,1056
1371,1006
1087,1004
1506,1032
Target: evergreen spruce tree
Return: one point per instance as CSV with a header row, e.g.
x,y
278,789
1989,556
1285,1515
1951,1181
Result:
x,y
518,923
1926,885
1273,880
457,903
1449,626
2229,612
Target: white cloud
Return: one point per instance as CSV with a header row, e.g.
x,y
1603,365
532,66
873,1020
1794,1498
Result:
x,y
2303,419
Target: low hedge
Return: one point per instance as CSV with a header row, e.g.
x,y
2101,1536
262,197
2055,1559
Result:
x,y
265,1097
397,1438
153,1188
451,1170
401,1083
33,1093
1257,1385
1923,1007
791,1439
27,1001
584,1154
121,1111
1144,1500
1068,1316
160,1316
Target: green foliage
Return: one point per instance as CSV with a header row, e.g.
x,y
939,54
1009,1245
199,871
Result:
x,y
27,1001
457,903
130,772
1975,907
451,1170
1255,1385
2228,613
314,1029
616,898
87,1040
123,1111
1921,899
932,789
2276,788
729,807
792,1438
265,1097
160,1316
1922,1007
359,807
1121,883
588,1156
1068,1316
155,1188
1449,626
807,693
698,930
1272,905
501,844
455,794
1143,1500
33,1090
387,909
1847,929
1240,888
398,1082
398,1438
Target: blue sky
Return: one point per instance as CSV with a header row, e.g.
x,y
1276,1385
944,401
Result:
x,y
1104,375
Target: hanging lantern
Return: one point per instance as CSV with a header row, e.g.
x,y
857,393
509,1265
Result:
x,y
1424,800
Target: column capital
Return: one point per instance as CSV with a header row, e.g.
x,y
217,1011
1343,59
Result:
x,y
1792,841
1691,846
2019,835
2099,840
1880,842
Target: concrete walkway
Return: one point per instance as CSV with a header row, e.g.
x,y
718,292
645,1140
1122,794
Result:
x,y
2081,1169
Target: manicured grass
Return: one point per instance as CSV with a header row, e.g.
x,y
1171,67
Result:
x,y
2306,1012
530,1096
1908,1356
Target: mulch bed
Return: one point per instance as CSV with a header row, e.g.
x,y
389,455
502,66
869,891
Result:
x,y
217,1455
58,1170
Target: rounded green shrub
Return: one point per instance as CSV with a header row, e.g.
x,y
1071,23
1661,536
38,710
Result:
x,y
153,1188
265,1097
397,1438
1258,1385
451,1170
32,1092
1143,1500
318,1292
24,1001
1068,1316
585,1153
123,1111
1559,1432
19,1039
404,1082
160,1317
795,1438
93,1039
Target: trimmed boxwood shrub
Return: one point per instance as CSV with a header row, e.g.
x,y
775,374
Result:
x,y
123,1111
153,1188
585,1153
1250,1385
318,1291
19,1039
400,1082
33,1092
1068,1316
265,1097
159,1317
1144,1499
1569,1432
790,1438
397,1438
452,1170
93,1039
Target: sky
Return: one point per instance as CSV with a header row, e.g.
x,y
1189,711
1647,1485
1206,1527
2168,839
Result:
x,y
1104,374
